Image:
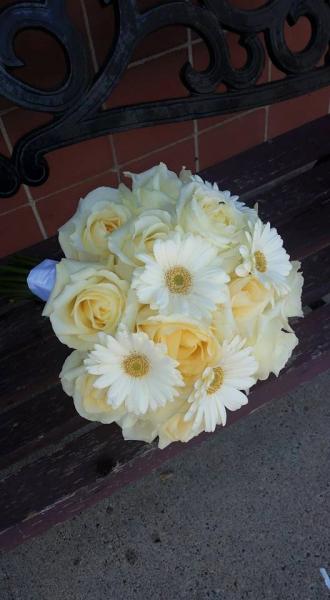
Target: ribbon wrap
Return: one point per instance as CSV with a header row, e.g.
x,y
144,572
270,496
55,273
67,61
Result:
x,y
41,279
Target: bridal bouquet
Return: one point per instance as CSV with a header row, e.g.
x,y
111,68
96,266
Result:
x,y
175,298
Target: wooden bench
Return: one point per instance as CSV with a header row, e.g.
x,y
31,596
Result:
x,y
53,463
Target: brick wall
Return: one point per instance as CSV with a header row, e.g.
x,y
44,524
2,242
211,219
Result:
x,y
36,213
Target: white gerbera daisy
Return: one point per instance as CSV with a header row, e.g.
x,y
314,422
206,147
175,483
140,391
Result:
x,y
220,385
264,256
184,276
135,370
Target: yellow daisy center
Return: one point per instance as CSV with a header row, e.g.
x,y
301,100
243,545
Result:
x,y
178,280
136,365
218,377
261,261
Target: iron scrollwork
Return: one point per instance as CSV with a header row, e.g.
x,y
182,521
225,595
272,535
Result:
x,y
76,104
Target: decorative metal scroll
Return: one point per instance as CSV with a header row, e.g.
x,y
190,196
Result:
x,y
76,104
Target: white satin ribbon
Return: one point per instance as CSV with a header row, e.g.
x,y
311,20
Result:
x,y
41,279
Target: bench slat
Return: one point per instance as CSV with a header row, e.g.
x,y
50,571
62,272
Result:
x,y
316,270
49,415
26,320
35,411
274,159
289,199
308,232
30,347
31,371
303,236
293,197
98,463
37,423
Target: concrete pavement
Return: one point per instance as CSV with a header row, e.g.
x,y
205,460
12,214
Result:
x,y
245,516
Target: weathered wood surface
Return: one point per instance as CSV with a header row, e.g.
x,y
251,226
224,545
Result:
x,y
265,164
31,370
316,269
293,196
43,420
24,428
49,414
34,412
96,464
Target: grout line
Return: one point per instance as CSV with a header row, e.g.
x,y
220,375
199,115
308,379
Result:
x,y
196,146
186,138
35,211
5,136
237,115
145,59
142,156
11,210
89,35
195,122
96,68
28,194
266,123
76,184
6,111
142,61
39,220
134,63
115,157
269,78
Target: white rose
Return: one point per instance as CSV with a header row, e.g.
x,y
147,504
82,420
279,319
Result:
x,y
272,347
156,188
90,402
87,298
290,303
85,236
167,423
145,428
138,235
216,215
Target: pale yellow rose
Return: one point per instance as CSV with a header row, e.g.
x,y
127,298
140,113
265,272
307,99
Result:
x,y
247,300
90,402
87,298
138,235
85,236
156,188
254,312
193,346
176,429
